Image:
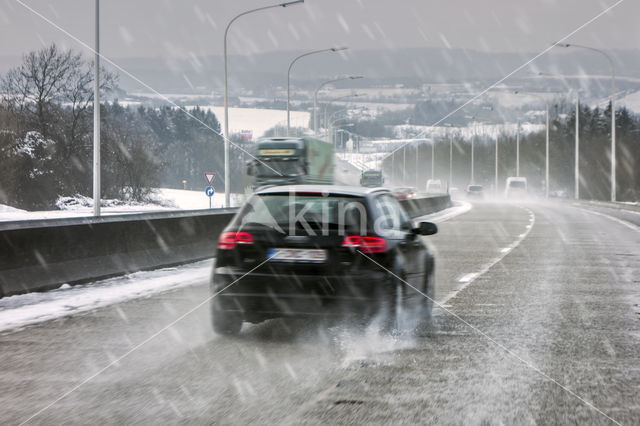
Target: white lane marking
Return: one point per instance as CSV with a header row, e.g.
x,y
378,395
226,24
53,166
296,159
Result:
x,y
468,277
471,277
459,208
506,249
606,205
615,219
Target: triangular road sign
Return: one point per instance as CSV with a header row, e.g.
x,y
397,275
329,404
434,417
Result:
x,y
209,176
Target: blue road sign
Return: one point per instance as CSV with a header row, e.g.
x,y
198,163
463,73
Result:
x,y
209,191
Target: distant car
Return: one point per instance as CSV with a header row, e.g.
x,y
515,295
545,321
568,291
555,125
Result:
x,y
404,193
516,187
559,193
434,186
475,191
310,249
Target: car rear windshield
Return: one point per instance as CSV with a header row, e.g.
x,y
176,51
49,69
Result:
x,y
287,212
475,188
517,184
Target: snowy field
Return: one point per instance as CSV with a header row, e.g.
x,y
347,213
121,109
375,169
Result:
x,y
257,120
632,102
165,199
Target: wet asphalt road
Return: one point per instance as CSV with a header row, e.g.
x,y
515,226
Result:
x,y
540,324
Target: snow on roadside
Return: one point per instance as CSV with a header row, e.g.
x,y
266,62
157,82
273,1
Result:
x,y
194,200
163,199
32,308
10,210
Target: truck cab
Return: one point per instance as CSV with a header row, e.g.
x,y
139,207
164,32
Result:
x,y
291,161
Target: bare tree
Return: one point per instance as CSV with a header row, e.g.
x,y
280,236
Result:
x,y
47,79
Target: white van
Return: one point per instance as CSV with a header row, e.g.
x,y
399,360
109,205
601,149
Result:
x,y
516,187
434,186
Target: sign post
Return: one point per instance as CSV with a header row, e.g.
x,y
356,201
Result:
x,y
209,191
209,176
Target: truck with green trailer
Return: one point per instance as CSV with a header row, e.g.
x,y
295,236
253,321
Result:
x,y
292,161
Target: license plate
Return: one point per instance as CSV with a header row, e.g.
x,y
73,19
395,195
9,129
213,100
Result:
x,y
298,255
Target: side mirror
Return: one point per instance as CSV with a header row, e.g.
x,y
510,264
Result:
x,y
426,228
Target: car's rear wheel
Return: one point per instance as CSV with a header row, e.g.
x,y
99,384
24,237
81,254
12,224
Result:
x,y
429,288
391,303
227,323
431,293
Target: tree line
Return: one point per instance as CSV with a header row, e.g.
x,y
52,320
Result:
x,y
46,133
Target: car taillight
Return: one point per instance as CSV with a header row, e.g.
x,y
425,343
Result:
x,y
229,240
365,244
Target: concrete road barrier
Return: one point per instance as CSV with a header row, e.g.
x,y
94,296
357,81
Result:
x,y
37,255
43,254
425,205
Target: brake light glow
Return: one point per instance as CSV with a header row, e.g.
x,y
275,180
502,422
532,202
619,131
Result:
x,y
365,244
229,240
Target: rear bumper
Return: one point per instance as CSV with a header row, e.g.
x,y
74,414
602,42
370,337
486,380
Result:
x,y
262,296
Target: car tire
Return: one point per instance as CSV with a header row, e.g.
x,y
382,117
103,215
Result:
x,y
429,287
391,303
225,322
430,292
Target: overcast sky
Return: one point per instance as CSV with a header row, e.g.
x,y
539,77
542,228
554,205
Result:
x,y
181,28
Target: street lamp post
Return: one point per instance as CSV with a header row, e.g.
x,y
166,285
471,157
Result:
x,y
473,139
417,163
330,120
546,171
450,160
613,112
313,52
404,165
496,172
546,156
226,93
315,98
433,159
576,172
333,100
393,167
96,116
518,149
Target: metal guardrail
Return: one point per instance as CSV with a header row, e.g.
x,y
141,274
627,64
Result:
x,y
38,255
